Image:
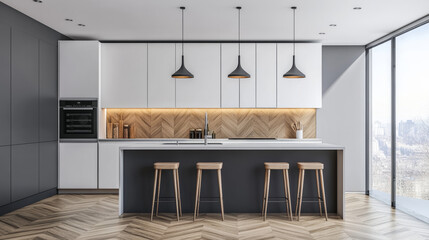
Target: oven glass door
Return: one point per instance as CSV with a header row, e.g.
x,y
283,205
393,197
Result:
x,y
78,123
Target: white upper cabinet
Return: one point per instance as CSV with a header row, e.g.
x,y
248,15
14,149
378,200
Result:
x,y
248,85
300,92
161,65
79,65
139,75
202,91
266,75
124,75
230,87
238,93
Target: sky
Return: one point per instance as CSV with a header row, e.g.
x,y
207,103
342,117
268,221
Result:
x,y
412,77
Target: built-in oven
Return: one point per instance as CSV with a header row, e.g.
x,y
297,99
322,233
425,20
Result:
x,y
78,119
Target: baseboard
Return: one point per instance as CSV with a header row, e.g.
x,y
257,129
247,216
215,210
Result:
x,y
88,191
27,201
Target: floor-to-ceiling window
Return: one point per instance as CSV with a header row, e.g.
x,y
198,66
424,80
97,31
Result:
x,y
412,121
381,137
410,162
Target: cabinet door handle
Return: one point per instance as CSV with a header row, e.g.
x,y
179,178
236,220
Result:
x,y
78,108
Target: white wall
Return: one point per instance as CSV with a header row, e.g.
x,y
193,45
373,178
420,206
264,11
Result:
x,y
341,120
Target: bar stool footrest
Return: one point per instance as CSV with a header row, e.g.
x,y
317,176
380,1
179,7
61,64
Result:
x,y
208,199
316,199
280,197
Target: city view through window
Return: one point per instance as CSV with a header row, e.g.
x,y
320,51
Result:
x,y
381,122
412,122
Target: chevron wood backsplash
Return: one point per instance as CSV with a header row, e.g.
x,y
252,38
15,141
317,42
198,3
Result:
x,y
227,123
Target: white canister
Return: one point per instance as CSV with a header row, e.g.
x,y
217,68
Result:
x,y
299,134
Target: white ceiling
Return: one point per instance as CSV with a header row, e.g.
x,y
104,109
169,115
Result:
x,y
217,19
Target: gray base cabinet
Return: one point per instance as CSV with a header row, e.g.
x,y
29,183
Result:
x,y
48,165
4,175
25,170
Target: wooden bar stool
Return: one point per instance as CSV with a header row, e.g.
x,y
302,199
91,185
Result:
x,y
208,166
302,166
284,166
159,166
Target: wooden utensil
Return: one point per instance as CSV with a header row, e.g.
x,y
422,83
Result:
x,y
109,130
121,129
297,126
132,131
126,131
115,130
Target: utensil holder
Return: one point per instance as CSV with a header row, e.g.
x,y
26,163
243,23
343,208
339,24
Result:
x,y
299,134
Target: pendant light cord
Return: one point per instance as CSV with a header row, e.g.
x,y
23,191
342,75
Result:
x,y
183,27
239,31
294,32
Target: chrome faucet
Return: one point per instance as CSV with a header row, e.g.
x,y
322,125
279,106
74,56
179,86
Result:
x,y
206,129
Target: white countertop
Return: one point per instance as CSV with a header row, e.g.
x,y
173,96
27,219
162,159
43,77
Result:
x,y
225,144
318,140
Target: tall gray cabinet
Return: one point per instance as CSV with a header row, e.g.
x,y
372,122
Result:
x,y
25,88
48,91
5,84
28,110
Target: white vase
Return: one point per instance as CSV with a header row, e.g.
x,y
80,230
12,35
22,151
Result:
x,y
299,134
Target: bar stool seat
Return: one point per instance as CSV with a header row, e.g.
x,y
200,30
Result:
x,y
209,165
276,165
166,165
310,165
318,167
159,166
284,166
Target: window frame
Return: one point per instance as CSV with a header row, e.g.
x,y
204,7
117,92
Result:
x,y
368,118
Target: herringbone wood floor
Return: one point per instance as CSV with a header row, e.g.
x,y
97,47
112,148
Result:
x,y
96,217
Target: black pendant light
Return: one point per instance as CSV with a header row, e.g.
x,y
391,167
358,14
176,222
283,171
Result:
x,y
239,71
294,71
182,72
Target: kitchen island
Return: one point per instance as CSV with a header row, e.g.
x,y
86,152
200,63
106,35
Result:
x,y
242,175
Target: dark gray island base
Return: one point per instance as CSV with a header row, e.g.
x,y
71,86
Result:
x,y
242,176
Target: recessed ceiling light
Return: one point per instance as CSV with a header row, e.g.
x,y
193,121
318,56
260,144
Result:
x,y
69,20
357,8
332,25
37,1
81,25
322,33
